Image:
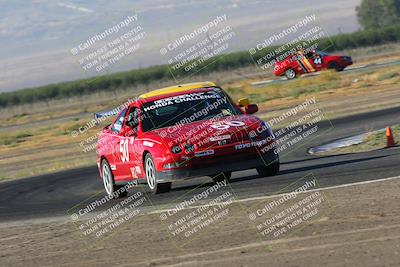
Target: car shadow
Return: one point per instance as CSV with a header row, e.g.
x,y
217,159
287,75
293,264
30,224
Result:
x,y
281,173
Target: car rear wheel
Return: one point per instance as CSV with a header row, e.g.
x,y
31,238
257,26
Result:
x,y
151,177
112,190
270,170
219,177
290,74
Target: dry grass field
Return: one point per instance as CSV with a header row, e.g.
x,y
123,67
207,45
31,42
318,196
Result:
x,y
36,139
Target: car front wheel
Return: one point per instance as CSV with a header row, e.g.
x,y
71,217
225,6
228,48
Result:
x,y
334,66
290,74
270,170
151,177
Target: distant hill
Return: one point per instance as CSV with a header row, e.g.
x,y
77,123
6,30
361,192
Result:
x,y
37,36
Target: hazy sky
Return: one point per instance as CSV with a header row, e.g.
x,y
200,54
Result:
x,y
37,36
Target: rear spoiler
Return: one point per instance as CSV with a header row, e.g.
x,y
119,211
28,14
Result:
x,y
100,116
103,115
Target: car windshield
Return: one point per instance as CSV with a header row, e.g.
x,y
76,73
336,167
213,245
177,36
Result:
x,y
322,54
186,108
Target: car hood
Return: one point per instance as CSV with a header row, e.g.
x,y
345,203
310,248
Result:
x,y
209,132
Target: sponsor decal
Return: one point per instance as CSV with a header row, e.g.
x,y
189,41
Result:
x,y
220,137
204,153
252,144
113,167
147,143
222,142
138,170
182,98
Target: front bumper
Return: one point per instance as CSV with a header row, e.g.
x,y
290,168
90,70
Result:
x,y
237,162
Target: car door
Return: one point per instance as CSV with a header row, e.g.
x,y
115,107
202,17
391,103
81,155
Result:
x,y
118,157
311,62
133,153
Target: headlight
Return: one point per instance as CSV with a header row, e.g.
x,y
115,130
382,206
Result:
x,y
176,149
345,58
269,129
264,131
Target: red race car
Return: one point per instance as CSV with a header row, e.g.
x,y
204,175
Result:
x,y
182,132
313,61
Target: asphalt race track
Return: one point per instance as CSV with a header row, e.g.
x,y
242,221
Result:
x,y
54,194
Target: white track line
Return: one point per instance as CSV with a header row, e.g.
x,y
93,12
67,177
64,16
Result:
x,y
278,195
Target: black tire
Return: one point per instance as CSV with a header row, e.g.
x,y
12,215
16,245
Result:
x,y
219,177
270,170
123,193
151,177
334,66
290,74
108,181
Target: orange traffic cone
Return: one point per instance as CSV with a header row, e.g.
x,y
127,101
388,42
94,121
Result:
x,y
389,137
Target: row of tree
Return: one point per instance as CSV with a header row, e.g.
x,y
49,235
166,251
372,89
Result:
x,y
373,14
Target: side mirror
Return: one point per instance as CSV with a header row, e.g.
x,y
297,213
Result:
x,y
127,131
243,102
251,109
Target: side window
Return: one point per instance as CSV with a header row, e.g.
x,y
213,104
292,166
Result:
x,y
310,55
118,122
133,118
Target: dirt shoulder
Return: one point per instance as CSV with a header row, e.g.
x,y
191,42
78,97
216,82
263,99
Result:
x,y
358,226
